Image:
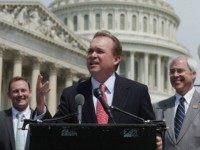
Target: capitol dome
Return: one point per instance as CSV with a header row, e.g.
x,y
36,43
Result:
x,y
146,28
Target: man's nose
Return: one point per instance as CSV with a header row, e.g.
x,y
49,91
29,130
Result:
x,y
94,54
20,93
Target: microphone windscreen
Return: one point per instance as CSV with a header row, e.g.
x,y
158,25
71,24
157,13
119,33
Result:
x,y
79,99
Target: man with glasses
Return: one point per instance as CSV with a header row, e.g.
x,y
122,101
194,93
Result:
x,y
181,111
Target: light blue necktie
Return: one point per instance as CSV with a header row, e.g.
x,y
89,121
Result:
x,y
179,117
20,137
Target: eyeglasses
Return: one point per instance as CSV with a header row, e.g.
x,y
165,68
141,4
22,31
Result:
x,y
178,70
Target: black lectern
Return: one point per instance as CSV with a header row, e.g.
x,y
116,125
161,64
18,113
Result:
x,y
53,136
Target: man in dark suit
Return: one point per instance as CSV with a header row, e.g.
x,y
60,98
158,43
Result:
x,y
181,111
103,58
12,137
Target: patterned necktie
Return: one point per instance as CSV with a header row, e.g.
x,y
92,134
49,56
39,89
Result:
x,y
19,137
102,117
179,117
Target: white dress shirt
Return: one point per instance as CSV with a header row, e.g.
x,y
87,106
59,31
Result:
x,y
109,83
27,115
188,97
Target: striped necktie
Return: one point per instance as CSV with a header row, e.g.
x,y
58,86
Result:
x,y
20,135
179,117
102,117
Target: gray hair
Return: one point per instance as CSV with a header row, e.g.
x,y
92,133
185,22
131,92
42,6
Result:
x,y
191,62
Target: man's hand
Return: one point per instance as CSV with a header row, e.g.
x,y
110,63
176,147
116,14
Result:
x,y
42,89
159,144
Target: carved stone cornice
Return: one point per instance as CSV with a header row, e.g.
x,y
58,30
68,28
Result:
x,y
35,20
2,49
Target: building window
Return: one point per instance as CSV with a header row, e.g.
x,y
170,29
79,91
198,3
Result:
x,y
97,21
66,21
162,28
154,26
75,22
144,24
134,23
122,22
86,22
110,21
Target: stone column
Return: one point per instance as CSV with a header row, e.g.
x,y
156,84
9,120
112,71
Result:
x,y
1,69
117,21
141,69
159,26
146,68
104,19
70,22
140,22
91,20
151,23
152,72
158,72
52,99
128,21
132,65
34,76
80,18
168,29
169,87
69,78
17,69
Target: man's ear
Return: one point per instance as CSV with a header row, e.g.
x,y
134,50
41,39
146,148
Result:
x,y
117,59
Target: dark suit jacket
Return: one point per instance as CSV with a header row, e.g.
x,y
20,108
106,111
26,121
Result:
x,y
7,140
129,95
189,136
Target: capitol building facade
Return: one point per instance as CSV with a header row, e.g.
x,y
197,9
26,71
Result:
x,y
146,28
54,41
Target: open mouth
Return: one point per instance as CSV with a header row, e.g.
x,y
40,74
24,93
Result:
x,y
94,63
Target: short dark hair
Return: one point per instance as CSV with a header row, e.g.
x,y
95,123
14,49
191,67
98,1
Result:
x,y
117,48
18,78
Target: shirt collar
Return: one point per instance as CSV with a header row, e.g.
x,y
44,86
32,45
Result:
x,y
109,83
26,112
188,96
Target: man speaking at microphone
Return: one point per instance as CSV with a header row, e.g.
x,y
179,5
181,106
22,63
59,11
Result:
x,y
103,58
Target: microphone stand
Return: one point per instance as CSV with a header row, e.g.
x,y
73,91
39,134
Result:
x,y
160,124
28,121
127,113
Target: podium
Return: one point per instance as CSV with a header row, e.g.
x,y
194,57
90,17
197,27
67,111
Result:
x,y
54,136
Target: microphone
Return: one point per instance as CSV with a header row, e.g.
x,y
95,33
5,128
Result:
x,y
79,100
99,96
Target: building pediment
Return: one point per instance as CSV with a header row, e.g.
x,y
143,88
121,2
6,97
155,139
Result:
x,y
35,19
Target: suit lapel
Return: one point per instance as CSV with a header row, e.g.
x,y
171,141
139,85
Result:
x,y
190,114
169,118
10,129
85,88
120,93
